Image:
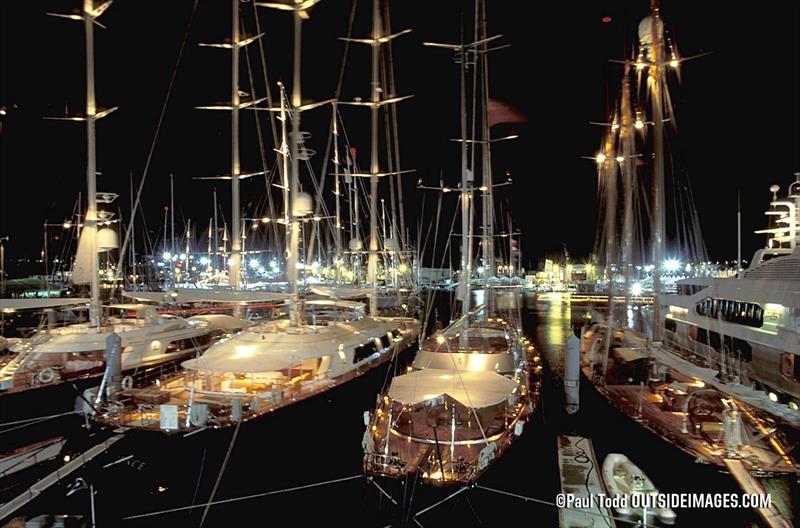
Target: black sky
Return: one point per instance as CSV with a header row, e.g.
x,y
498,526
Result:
x,y
738,109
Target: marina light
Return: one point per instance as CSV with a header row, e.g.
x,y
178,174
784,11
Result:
x,y
254,263
638,125
167,256
182,256
266,220
636,289
205,261
672,265
674,63
620,159
67,225
601,158
773,396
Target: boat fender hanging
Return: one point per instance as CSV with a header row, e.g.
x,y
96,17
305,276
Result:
x,y
127,383
518,427
46,375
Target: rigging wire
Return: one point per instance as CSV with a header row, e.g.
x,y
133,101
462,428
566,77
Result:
x,y
158,127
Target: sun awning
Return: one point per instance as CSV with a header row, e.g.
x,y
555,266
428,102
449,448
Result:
x,y
243,359
473,389
628,354
188,296
34,304
339,292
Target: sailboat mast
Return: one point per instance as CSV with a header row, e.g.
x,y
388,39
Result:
x,y
294,185
628,168
466,199
172,230
236,242
372,267
215,260
337,191
90,222
487,183
655,79
133,237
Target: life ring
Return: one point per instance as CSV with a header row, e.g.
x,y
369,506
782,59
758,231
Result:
x,y
46,375
126,383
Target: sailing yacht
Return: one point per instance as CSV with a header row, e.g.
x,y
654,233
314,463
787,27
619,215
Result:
x,y
321,345
643,377
470,390
77,352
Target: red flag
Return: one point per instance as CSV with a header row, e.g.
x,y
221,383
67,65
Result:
x,y
500,112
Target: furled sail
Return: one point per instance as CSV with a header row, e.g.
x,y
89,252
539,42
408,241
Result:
x,y
82,267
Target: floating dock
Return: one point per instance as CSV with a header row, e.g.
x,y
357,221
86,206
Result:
x,y
771,516
56,476
580,477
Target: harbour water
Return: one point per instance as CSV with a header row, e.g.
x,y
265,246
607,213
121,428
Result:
x,y
314,450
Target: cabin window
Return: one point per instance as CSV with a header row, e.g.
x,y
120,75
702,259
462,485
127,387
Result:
x,y
671,325
385,341
364,351
749,314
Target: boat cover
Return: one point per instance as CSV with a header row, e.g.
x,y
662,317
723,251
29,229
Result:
x,y
476,389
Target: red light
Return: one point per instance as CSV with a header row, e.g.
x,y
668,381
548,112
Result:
x,y
353,151
606,19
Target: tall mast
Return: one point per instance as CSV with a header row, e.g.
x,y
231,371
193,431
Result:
x,y
336,186
466,200
608,176
215,259
488,194
655,81
628,168
372,267
133,237
395,135
294,185
236,243
172,230
90,222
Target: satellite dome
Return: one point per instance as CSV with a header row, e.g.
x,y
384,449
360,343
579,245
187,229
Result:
x,y
646,29
391,244
303,204
107,239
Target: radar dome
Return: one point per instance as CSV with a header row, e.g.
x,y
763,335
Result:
x,y
107,239
646,29
303,204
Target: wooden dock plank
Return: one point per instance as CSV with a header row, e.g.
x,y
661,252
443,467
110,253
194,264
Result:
x,y
580,476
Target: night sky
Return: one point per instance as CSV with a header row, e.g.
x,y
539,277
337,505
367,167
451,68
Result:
x,y
738,109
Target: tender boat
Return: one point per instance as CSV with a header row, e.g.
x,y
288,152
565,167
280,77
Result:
x,y
623,477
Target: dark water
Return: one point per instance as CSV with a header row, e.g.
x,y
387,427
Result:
x,y
320,440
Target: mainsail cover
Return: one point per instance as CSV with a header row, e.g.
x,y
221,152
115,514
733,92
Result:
x,y
82,268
